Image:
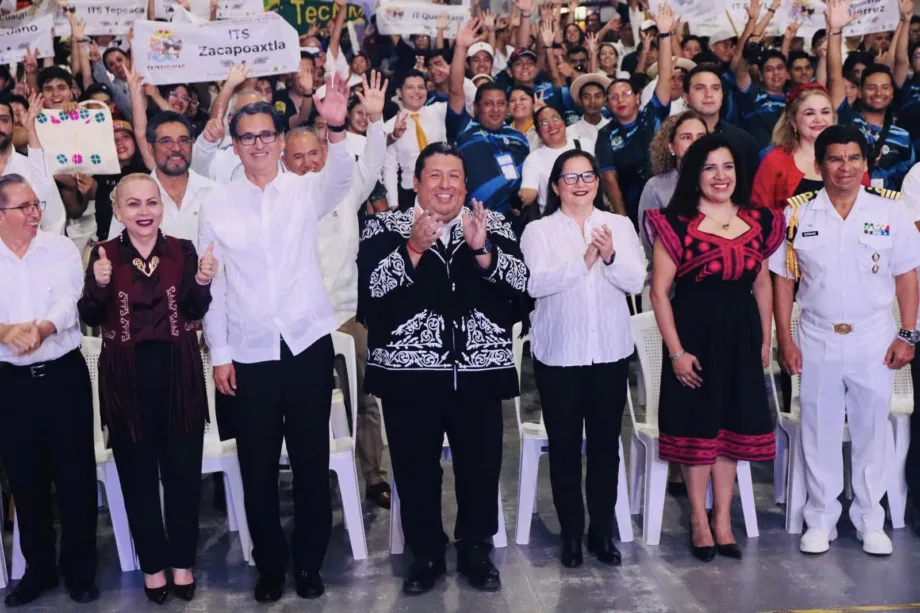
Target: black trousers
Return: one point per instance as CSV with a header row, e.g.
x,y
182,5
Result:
x,y
287,398
46,435
415,430
158,456
589,397
913,452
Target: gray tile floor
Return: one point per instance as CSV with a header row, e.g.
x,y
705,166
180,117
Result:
x,y
773,576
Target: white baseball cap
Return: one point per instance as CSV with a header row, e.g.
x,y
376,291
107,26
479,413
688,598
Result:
x,y
645,25
480,46
721,35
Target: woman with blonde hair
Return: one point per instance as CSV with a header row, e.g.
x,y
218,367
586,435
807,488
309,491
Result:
x,y
147,291
789,168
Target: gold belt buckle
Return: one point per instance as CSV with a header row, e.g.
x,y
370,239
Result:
x,y
843,328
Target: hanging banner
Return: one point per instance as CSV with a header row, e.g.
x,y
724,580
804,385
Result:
x,y
692,11
17,18
35,34
874,16
303,14
407,18
102,17
732,16
166,53
234,9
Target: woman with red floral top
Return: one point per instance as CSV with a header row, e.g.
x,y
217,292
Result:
x,y
710,244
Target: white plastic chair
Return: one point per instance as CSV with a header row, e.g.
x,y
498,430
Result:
x,y
342,447
106,475
645,464
534,443
4,575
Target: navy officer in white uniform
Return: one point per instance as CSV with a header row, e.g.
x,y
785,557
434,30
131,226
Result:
x,y
854,250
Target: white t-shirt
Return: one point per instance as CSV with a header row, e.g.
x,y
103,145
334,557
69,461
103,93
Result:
x,y
539,165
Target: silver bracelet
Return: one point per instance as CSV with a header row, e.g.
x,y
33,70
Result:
x,y
677,355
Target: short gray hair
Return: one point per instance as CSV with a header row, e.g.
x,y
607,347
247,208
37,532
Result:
x,y
7,180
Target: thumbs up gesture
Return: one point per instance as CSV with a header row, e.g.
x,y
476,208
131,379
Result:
x,y
102,269
207,267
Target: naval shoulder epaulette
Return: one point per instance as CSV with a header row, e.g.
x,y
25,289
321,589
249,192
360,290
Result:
x,y
801,198
891,194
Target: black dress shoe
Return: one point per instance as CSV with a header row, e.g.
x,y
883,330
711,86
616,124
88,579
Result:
x,y
185,592
571,553
423,574
474,563
706,553
379,494
730,550
269,589
157,595
30,588
84,594
309,584
604,549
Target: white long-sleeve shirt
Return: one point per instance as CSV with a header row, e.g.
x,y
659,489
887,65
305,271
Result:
x,y
35,170
42,286
581,316
269,286
404,152
338,232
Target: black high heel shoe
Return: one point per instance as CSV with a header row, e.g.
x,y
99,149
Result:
x,y
185,592
729,550
706,553
157,594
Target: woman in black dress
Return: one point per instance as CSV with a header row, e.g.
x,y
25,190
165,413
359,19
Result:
x,y
710,242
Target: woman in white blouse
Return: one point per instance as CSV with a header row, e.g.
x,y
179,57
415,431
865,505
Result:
x,y
583,261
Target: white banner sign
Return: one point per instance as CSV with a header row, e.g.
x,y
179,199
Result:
x,y
874,16
167,53
406,18
732,16
101,16
226,9
692,11
34,34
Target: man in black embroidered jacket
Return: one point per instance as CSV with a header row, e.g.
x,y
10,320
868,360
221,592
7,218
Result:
x,y
438,288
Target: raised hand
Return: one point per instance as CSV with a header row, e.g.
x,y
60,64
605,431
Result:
x,y
425,231
305,77
525,6
30,61
488,20
837,15
102,269
373,96
207,266
753,9
334,106
592,44
443,22
793,28
538,101
135,83
36,105
214,129
399,126
665,17
546,11
475,226
238,73
95,55
547,33
77,27
85,184
906,8
467,35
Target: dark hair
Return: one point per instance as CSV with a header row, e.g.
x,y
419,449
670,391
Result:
x,y
591,84
254,108
576,49
165,90
8,98
857,57
438,148
581,35
536,115
54,72
797,54
522,88
553,202
96,88
700,69
632,86
685,200
691,37
411,74
874,69
769,54
352,103
10,179
110,51
818,35
706,57
165,117
6,76
441,53
915,18
488,86
913,46
839,135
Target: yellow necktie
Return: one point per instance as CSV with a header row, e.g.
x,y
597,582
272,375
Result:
x,y
419,133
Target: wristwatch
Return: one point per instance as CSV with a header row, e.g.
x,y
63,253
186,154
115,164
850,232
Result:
x,y
911,337
487,249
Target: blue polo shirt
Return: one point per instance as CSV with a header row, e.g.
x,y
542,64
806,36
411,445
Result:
x,y
896,155
492,161
625,149
759,112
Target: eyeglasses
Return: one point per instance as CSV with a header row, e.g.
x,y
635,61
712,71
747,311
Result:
x,y
167,141
25,208
193,104
250,139
554,119
183,99
624,96
571,178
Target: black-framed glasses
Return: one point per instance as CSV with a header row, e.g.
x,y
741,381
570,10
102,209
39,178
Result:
x,y
25,208
250,139
571,178
168,141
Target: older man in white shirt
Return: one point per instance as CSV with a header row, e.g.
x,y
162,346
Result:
x,y
168,147
338,253
269,332
46,417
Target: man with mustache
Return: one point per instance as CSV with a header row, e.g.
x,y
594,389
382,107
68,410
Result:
x,y
168,145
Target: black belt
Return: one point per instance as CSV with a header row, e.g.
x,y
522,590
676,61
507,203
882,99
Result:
x,y
38,370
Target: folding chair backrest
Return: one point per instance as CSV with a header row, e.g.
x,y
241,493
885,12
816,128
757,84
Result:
x,y
517,347
344,345
211,432
91,347
651,353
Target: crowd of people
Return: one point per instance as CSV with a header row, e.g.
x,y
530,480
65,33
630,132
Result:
x,y
423,195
